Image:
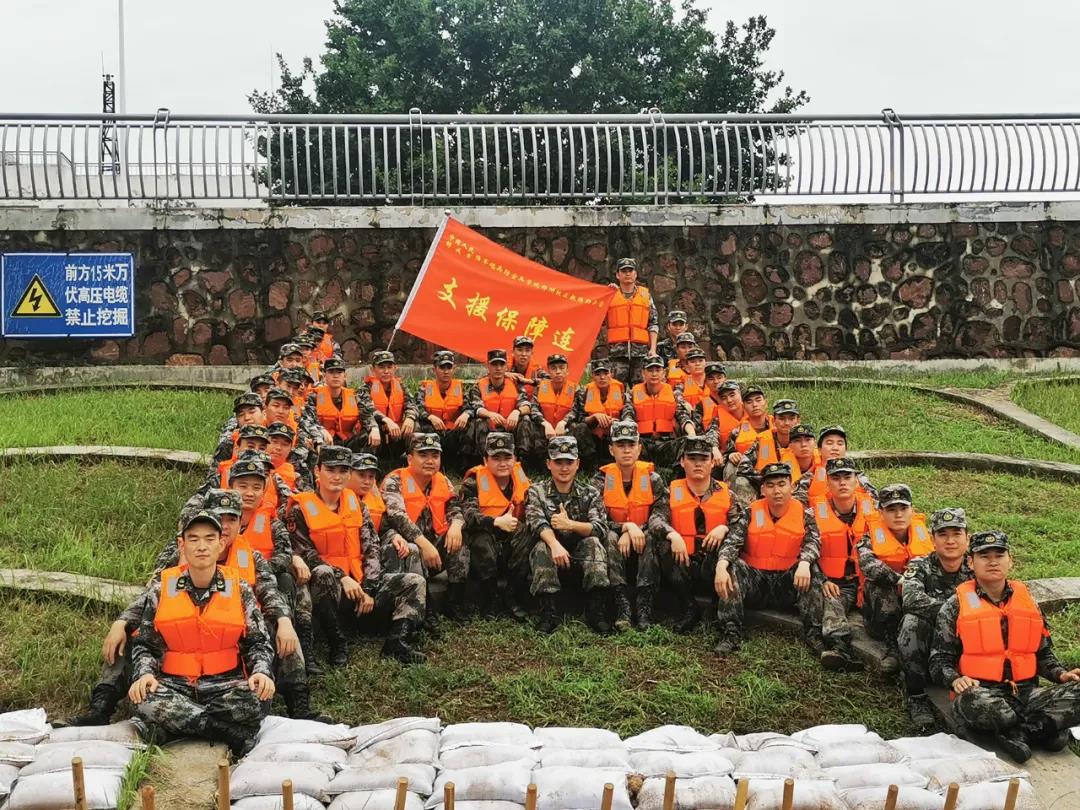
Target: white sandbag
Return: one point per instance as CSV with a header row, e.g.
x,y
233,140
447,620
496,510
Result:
x,y
278,729
701,793
567,788
421,778
17,753
265,778
123,732
810,794
416,746
601,758
908,797
831,733
991,796
298,752
27,725
300,802
54,757
965,771
505,783
465,734
53,791
577,738
940,745
671,738
373,800
760,740
660,763
378,732
478,756
489,806
725,739
778,762
851,777
857,752
8,773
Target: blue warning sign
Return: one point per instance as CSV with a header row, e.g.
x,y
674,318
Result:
x,y
76,295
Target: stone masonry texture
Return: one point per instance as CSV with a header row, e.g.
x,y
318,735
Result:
x,y
220,296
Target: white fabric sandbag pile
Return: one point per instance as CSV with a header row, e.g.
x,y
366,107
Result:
x,y
698,793
777,762
856,777
582,747
253,779
941,773
507,782
681,750
479,745
571,788
938,746
374,800
809,794
405,747
56,757
991,796
276,729
123,732
678,739
908,797
300,802
760,740
54,791
26,726
352,780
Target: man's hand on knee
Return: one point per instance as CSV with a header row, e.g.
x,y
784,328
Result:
x,y
141,688
261,685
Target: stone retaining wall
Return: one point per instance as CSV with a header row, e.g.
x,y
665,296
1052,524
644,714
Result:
x,y
217,294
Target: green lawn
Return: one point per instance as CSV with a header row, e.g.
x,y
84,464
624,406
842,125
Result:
x,y
178,420
1058,402
106,519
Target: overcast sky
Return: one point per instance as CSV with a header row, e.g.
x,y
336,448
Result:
x,y
852,56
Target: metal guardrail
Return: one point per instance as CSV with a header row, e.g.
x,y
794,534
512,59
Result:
x,y
419,158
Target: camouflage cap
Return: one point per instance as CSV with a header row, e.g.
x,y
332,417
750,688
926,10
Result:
x,y
496,355
653,361
320,317
253,432
247,466
289,348
315,331
601,364
202,516
555,359
801,432
297,376
785,406
260,379
696,353
624,431
730,385
365,461
697,446
443,358
278,393
894,494
951,518
685,337
331,455
676,316
984,541
715,368
260,456
626,263
224,502
248,400
334,363
777,469
831,430
381,358
753,391
281,429
523,340
421,442
499,444
838,466
306,341
563,447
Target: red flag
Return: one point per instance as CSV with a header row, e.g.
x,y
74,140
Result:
x,y
473,295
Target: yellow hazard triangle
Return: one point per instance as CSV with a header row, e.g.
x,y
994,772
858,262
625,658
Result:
x,y
36,302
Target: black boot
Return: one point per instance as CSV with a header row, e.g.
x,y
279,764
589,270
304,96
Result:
x,y
549,614
239,743
456,607
514,595
298,702
645,597
596,614
306,634
397,644
1044,733
487,598
103,702
1013,743
691,613
431,622
335,636
623,615
729,640
852,662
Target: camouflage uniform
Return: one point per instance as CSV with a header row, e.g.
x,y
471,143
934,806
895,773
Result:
x,y
666,347
363,422
215,703
528,435
592,448
662,449
627,358
587,557
453,439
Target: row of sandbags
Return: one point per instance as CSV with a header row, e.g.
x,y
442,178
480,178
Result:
x,y
35,761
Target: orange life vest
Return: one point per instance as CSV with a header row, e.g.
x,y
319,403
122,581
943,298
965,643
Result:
x,y
502,402
675,374
325,350
774,545
725,421
628,319
555,406
392,405
837,538
654,413
684,503
445,406
314,368
258,536
787,457
416,501
339,421
612,406
376,506
767,451
692,392
979,628
490,496
819,484
335,535
632,507
287,473
200,642
894,553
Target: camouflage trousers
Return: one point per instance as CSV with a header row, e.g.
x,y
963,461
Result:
x,y
774,590
662,450
882,611
529,441
658,567
913,641
588,563
834,609
497,553
627,370
1046,710
182,708
398,595
390,452
456,565
619,567
743,487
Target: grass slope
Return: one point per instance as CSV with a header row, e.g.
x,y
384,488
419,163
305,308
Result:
x,y
1058,402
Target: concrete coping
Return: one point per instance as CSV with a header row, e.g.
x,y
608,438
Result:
x,y
95,589
170,459
32,390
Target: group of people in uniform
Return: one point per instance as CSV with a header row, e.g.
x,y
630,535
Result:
x,y
331,508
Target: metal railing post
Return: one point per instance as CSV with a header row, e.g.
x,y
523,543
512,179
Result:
x,y
896,154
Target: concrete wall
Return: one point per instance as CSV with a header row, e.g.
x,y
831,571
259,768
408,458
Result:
x,y
228,286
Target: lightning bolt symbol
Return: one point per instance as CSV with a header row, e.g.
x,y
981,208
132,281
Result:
x,y
35,299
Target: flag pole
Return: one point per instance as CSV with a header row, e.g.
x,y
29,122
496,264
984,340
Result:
x,y
419,277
